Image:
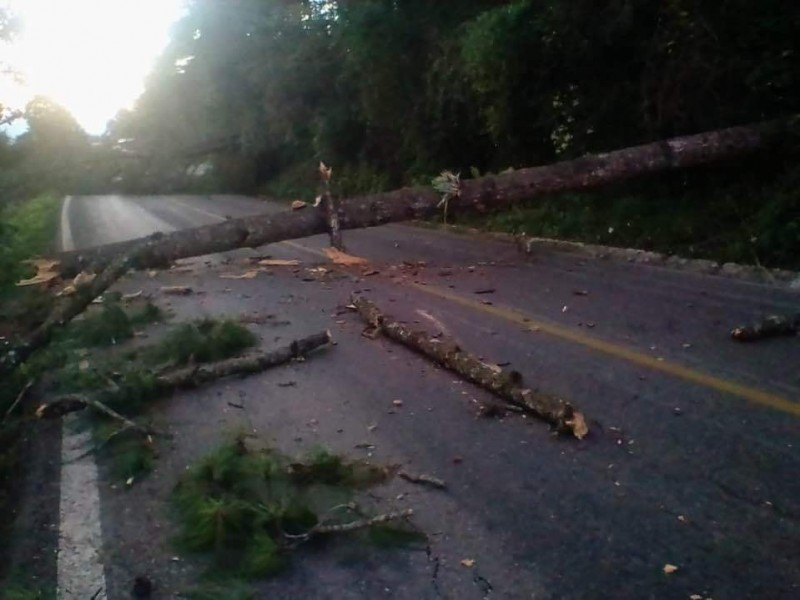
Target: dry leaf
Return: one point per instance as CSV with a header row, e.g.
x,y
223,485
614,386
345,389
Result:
x,y
298,204
317,201
346,260
249,275
131,297
278,262
83,365
46,272
468,562
578,424
397,402
669,569
176,290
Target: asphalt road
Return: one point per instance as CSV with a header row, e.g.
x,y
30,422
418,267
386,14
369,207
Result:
x,y
693,459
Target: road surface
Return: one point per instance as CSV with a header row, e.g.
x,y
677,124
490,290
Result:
x,y
693,459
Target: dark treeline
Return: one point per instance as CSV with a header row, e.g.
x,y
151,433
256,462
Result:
x,y
395,89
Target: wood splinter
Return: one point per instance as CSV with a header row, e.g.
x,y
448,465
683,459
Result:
x,y
504,384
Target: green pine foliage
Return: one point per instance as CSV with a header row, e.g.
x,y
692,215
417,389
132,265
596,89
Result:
x,y
249,509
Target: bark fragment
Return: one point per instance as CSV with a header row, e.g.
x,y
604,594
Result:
x,y
504,384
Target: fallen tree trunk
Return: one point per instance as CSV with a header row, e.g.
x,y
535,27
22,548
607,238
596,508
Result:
x,y
479,195
504,384
189,377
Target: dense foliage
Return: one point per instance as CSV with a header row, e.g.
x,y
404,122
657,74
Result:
x,y
400,88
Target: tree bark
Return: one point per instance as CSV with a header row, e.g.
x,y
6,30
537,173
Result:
x,y
479,195
504,384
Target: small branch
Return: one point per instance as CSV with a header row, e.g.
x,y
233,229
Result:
x,y
76,402
504,384
771,326
322,529
189,377
19,399
198,375
423,479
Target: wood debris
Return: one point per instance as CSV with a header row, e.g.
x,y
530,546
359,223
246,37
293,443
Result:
x,y
771,326
247,275
47,272
338,257
176,290
278,262
190,377
423,479
504,384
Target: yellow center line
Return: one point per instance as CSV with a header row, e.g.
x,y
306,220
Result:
x,y
633,356
301,248
630,355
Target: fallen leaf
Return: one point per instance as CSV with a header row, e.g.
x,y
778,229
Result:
x,y
278,262
249,275
669,569
695,597
129,481
397,402
298,204
176,290
580,292
83,365
578,425
370,272
153,273
346,260
468,562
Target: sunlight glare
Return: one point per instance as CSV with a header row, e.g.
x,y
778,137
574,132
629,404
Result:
x,y
91,56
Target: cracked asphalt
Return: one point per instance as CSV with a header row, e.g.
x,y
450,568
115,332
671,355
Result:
x,y
692,460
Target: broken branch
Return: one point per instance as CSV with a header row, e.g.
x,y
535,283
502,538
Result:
x,y
198,375
190,377
771,326
506,385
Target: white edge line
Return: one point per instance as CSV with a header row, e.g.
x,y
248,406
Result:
x,y
80,537
67,243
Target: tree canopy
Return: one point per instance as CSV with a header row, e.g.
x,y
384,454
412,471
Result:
x,y
403,88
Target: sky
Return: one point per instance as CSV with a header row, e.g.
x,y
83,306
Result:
x,y
90,56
